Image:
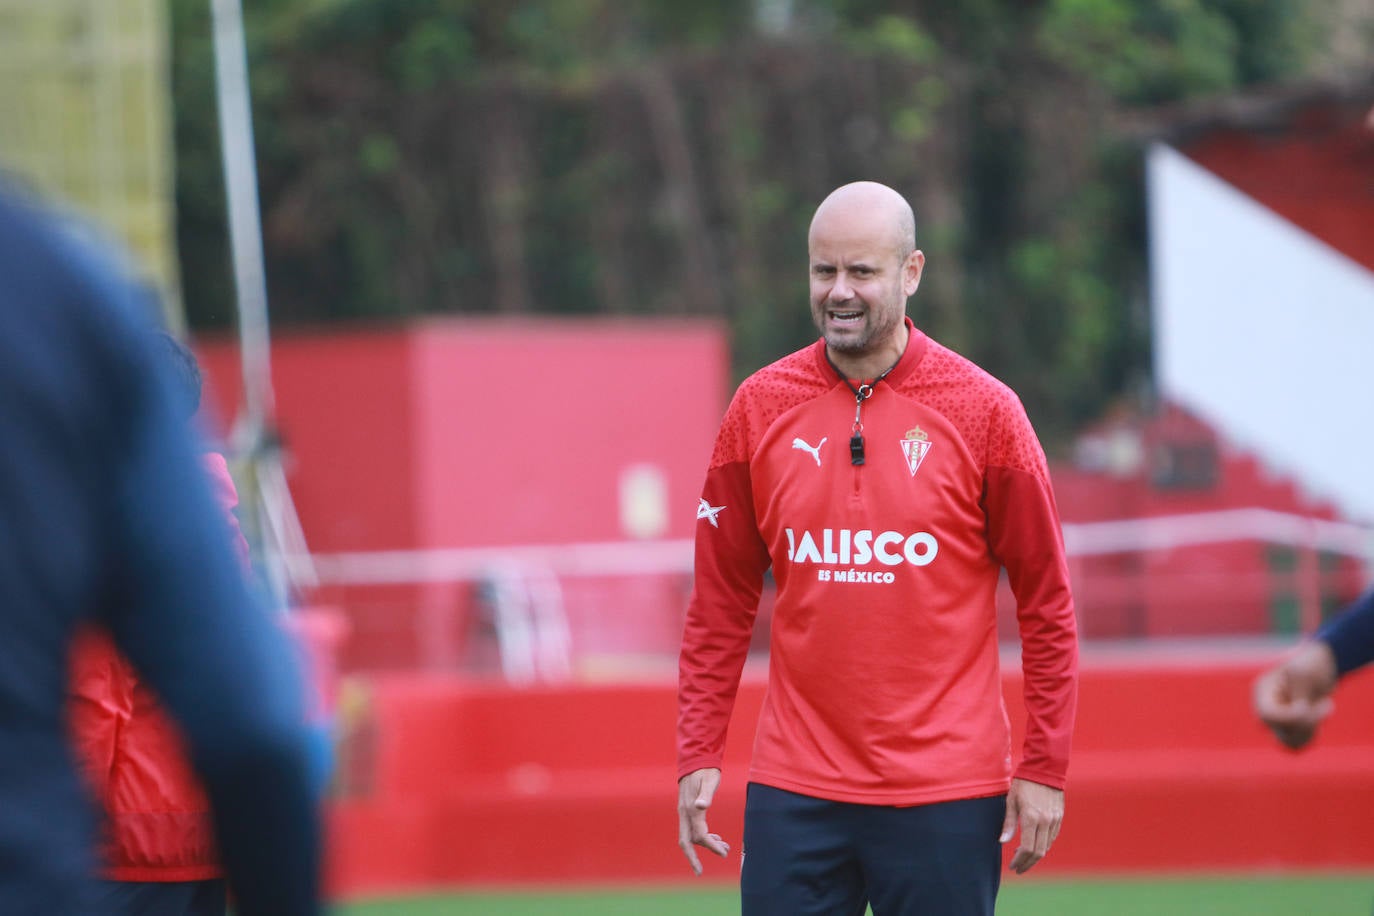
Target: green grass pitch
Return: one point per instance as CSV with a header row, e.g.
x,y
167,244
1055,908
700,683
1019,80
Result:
x,y
1327,895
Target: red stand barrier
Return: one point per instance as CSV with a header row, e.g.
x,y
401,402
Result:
x,y
446,782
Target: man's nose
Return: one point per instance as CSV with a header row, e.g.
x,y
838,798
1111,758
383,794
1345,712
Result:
x,y
840,290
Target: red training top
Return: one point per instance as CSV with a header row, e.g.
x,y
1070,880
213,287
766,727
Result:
x,y
157,818
884,684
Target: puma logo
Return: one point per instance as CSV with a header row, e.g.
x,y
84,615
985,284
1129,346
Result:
x,y
813,452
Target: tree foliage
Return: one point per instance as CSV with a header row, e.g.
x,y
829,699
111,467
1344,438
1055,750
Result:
x,y
652,158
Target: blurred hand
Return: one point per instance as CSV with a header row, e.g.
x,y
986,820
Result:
x,y
694,794
1039,811
1293,697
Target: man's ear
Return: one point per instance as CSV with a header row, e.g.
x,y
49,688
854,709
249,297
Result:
x,y
912,269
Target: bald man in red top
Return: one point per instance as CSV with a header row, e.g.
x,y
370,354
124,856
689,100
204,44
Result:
x,y
887,481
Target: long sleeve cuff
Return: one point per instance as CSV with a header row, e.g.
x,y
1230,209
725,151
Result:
x,y
1351,635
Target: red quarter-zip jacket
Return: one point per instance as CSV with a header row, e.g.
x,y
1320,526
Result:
x,y
884,684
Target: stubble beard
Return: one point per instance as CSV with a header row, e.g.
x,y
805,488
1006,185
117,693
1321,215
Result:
x,y
872,332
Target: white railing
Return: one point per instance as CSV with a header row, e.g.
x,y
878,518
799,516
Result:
x,y
525,597
466,564
627,558
1228,525
531,624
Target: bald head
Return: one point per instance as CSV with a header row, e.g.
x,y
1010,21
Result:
x,y
864,265
874,207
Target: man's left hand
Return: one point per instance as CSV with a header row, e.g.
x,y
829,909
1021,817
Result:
x,y
1039,810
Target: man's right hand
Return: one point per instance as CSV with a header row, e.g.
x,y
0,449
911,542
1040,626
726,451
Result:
x,y
694,794
1294,697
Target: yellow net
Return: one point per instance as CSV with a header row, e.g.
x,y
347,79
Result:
x,y
85,119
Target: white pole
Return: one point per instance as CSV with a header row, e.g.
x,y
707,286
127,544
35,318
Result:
x,y
245,222
252,441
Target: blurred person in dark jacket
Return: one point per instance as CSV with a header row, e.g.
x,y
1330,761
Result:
x,y
157,853
105,517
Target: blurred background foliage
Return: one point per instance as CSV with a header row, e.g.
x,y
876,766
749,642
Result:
x,y
631,157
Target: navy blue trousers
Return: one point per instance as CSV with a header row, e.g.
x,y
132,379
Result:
x,y
161,898
808,856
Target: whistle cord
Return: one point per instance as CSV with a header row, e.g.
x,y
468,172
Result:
x,y
861,393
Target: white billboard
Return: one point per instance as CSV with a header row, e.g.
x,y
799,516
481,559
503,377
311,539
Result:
x,y
1264,331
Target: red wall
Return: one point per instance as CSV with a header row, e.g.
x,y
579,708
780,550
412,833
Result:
x,y
453,433
1314,173
471,433
346,416
446,782
523,429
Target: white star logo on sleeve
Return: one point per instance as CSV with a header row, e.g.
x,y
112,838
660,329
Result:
x,y
709,512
